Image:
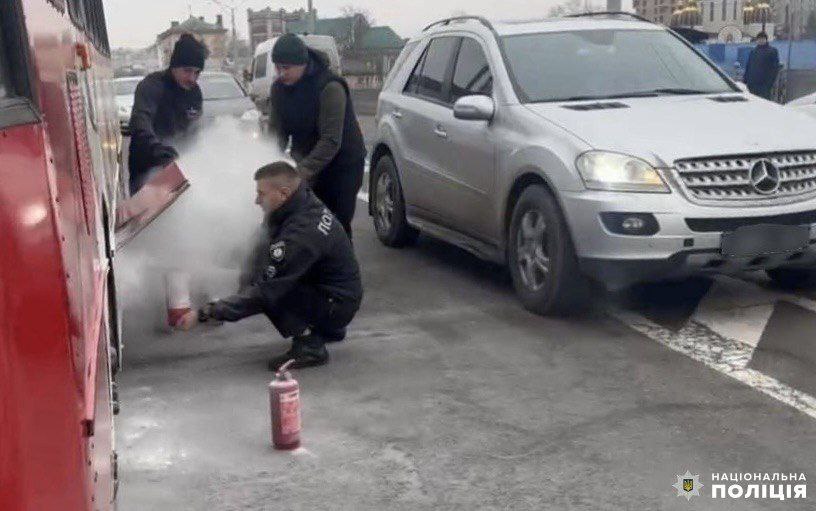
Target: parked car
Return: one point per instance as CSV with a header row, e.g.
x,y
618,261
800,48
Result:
x,y
594,147
222,93
263,69
125,88
806,104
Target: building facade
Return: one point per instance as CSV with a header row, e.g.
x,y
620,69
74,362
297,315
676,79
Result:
x,y
722,20
266,24
792,18
213,35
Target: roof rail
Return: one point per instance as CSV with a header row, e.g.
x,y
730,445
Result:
x,y
447,21
609,13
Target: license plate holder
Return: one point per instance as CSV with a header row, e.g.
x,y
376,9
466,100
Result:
x,y
765,239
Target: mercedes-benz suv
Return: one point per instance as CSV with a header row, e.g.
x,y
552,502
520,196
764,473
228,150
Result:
x,y
599,146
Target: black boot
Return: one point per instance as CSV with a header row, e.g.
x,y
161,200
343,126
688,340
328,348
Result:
x,y
307,351
333,335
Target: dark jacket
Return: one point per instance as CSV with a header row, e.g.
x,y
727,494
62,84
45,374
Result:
x,y
304,245
162,113
761,70
318,116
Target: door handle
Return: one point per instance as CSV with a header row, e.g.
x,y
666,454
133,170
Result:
x,y
397,114
440,132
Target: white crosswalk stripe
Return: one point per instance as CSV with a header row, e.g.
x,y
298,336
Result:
x,y
723,332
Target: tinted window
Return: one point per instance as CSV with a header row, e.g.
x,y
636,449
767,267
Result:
x,y
90,15
217,87
403,56
472,75
437,61
607,63
6,85
413,82
260,66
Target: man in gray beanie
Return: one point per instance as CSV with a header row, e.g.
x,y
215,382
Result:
x,y
312,106
166,106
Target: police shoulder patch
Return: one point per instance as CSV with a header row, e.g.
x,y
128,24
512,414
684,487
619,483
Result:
x,y
270,272
277,251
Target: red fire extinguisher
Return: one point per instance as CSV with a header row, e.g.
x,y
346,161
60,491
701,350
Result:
x,y
284,404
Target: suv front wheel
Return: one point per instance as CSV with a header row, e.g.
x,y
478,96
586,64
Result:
x,y
388,206
542,258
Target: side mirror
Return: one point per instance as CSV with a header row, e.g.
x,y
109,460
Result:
x,y
742,86
474,108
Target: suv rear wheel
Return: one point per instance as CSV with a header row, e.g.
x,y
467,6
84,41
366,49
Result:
x,y
542,259
793,278
389,206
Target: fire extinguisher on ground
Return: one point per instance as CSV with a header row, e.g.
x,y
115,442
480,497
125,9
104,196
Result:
x,y
284,403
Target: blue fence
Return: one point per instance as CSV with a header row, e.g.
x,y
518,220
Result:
x,y
803,54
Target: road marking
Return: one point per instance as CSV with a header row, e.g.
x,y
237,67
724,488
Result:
x,y
727,356
723,332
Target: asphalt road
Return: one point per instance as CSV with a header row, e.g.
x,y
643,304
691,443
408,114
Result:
x,y
447,395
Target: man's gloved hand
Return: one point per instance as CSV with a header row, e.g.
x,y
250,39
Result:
x,y
208,314
163,154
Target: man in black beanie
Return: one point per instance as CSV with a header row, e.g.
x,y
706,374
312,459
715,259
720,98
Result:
x,y
312,106
762,68
166,106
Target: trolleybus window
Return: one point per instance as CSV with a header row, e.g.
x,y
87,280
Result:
x,y
15,89
90,15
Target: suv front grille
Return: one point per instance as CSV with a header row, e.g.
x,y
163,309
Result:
x,y
730,179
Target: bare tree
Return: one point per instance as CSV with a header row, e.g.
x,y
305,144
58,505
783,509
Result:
x,y
349,11
572,7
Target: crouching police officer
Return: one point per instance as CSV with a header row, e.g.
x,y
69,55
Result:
x,y
166,106
305,278
311,105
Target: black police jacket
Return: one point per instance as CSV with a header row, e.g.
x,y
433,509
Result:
x,y
306,245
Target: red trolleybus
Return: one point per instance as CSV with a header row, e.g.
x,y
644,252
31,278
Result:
x,y
62,214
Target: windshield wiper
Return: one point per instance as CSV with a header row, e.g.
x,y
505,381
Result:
x,y
647,94
679,91
639,94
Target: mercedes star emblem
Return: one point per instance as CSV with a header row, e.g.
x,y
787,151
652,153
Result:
x,y
765,177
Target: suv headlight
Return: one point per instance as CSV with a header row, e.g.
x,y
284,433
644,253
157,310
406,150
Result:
x,y
602,170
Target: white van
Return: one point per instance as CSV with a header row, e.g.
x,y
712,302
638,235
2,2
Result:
x,y
263,70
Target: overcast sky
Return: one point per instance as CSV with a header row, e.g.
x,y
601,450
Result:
x,y
135,23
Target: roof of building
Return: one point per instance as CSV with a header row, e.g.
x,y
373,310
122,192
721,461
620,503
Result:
x,y
193,25
268,12
381,38
339,28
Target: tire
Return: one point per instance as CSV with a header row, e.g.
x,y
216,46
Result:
x,y
388,206
793,278
541,256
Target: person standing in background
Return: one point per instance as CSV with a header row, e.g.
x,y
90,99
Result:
x,y
762,68
312,107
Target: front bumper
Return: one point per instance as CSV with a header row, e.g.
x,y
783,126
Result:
x,y
689,240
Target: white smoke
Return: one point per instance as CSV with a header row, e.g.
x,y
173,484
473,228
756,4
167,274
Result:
x,y
208,231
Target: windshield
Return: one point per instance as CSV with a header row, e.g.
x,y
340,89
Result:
x,y
126,87
606,64
218,87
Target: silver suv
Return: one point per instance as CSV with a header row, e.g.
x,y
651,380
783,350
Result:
x,y
599,146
